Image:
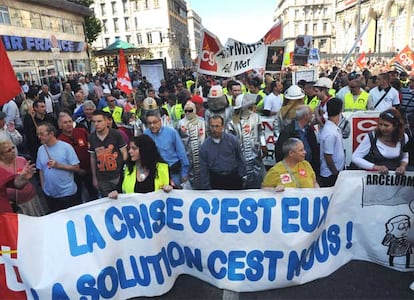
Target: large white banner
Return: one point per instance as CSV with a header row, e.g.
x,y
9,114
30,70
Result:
x,y
235,57
237,240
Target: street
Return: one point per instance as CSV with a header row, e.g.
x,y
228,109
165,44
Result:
x,y
356,280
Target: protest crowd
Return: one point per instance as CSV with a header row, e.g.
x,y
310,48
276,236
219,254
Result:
x,y
207,130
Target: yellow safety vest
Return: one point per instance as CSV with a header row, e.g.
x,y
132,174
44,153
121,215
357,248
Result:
x,y
168,109
189,83
116,114
162,179
313,103
260,104
332,92
359,104
177,112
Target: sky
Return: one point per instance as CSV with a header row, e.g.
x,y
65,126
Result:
x,y
245,21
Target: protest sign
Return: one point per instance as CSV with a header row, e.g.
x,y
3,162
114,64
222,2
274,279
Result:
x,y
235,57
236,240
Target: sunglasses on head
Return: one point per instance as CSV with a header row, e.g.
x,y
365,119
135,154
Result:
x,y
188,110
387,116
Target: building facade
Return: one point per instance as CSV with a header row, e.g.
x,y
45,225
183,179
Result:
x,y
194,31
335,25
44,38
161,26
307,17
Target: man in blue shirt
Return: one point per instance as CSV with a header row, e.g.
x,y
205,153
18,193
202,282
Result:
x,y
221,162
171,147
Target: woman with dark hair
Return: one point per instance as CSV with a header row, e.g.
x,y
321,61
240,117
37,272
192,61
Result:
x,y
383,150
145,170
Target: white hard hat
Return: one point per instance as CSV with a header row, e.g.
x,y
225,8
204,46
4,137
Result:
x,y
323,82
294,92
149,104
245,100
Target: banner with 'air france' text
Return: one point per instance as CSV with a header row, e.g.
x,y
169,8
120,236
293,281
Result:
x,y
236,240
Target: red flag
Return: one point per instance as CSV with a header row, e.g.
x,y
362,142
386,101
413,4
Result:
x,y
123,82
9,86
274,34
11,283
406,57
210,46
362,60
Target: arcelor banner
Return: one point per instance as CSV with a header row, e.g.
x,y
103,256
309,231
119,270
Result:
x,y
236,240
235,57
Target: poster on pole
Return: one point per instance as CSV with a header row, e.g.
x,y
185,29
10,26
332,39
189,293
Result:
x,y
154,70
274,58
308,74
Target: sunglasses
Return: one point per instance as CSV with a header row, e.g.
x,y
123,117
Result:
x,y
188,110
10,149
387,116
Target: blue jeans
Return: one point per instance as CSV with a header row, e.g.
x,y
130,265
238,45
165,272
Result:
x,y
176,178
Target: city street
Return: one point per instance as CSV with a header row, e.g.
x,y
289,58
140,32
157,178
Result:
x,y
356,280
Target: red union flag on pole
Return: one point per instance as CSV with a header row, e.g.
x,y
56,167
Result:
x,y
210,46
406,57
9,86
362,60
123,82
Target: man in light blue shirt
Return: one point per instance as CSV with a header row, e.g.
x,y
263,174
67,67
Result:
x,y
171,147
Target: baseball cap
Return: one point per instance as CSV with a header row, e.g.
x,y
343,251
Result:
x,y
197,99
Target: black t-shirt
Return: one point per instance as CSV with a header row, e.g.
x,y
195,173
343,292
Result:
x,y
109,160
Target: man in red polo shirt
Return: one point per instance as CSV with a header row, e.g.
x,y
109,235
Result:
x,y
78,138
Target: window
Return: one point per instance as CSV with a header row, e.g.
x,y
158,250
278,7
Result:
x,y
26,22
149,37
139,39
296,13
160,54
156,5
16,18
160,37
116,26
306,28
128,39
78,28
325,11
113,5
136,22
67,26
105,26
126,21
56,24
325,27
36,21
135,5
322,43
4,15
146,6
46,23
103,11
106,42
125,6
315,27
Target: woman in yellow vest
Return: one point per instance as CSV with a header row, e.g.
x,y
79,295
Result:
x,y
145,170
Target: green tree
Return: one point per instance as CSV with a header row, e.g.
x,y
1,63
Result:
x,y
93,26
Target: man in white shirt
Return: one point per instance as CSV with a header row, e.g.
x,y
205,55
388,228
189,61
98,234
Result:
x,y
384,96
273,102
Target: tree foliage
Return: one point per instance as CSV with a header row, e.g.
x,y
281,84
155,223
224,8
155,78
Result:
x,y
93,26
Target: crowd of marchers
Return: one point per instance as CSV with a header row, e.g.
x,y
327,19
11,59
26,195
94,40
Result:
x,y
63,146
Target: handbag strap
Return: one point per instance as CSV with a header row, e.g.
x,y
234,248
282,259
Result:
x,y
383,96
291,174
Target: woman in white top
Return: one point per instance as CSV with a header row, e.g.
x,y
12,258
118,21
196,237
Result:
x,y
383,149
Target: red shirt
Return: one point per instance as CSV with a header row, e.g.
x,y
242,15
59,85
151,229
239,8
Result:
x,y
79,142
6,180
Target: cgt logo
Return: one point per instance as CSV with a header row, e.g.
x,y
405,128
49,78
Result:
x,y
207,61
361,126
210,47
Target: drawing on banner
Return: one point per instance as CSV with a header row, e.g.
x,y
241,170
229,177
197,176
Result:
x,y
387,189
395,239
274,60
